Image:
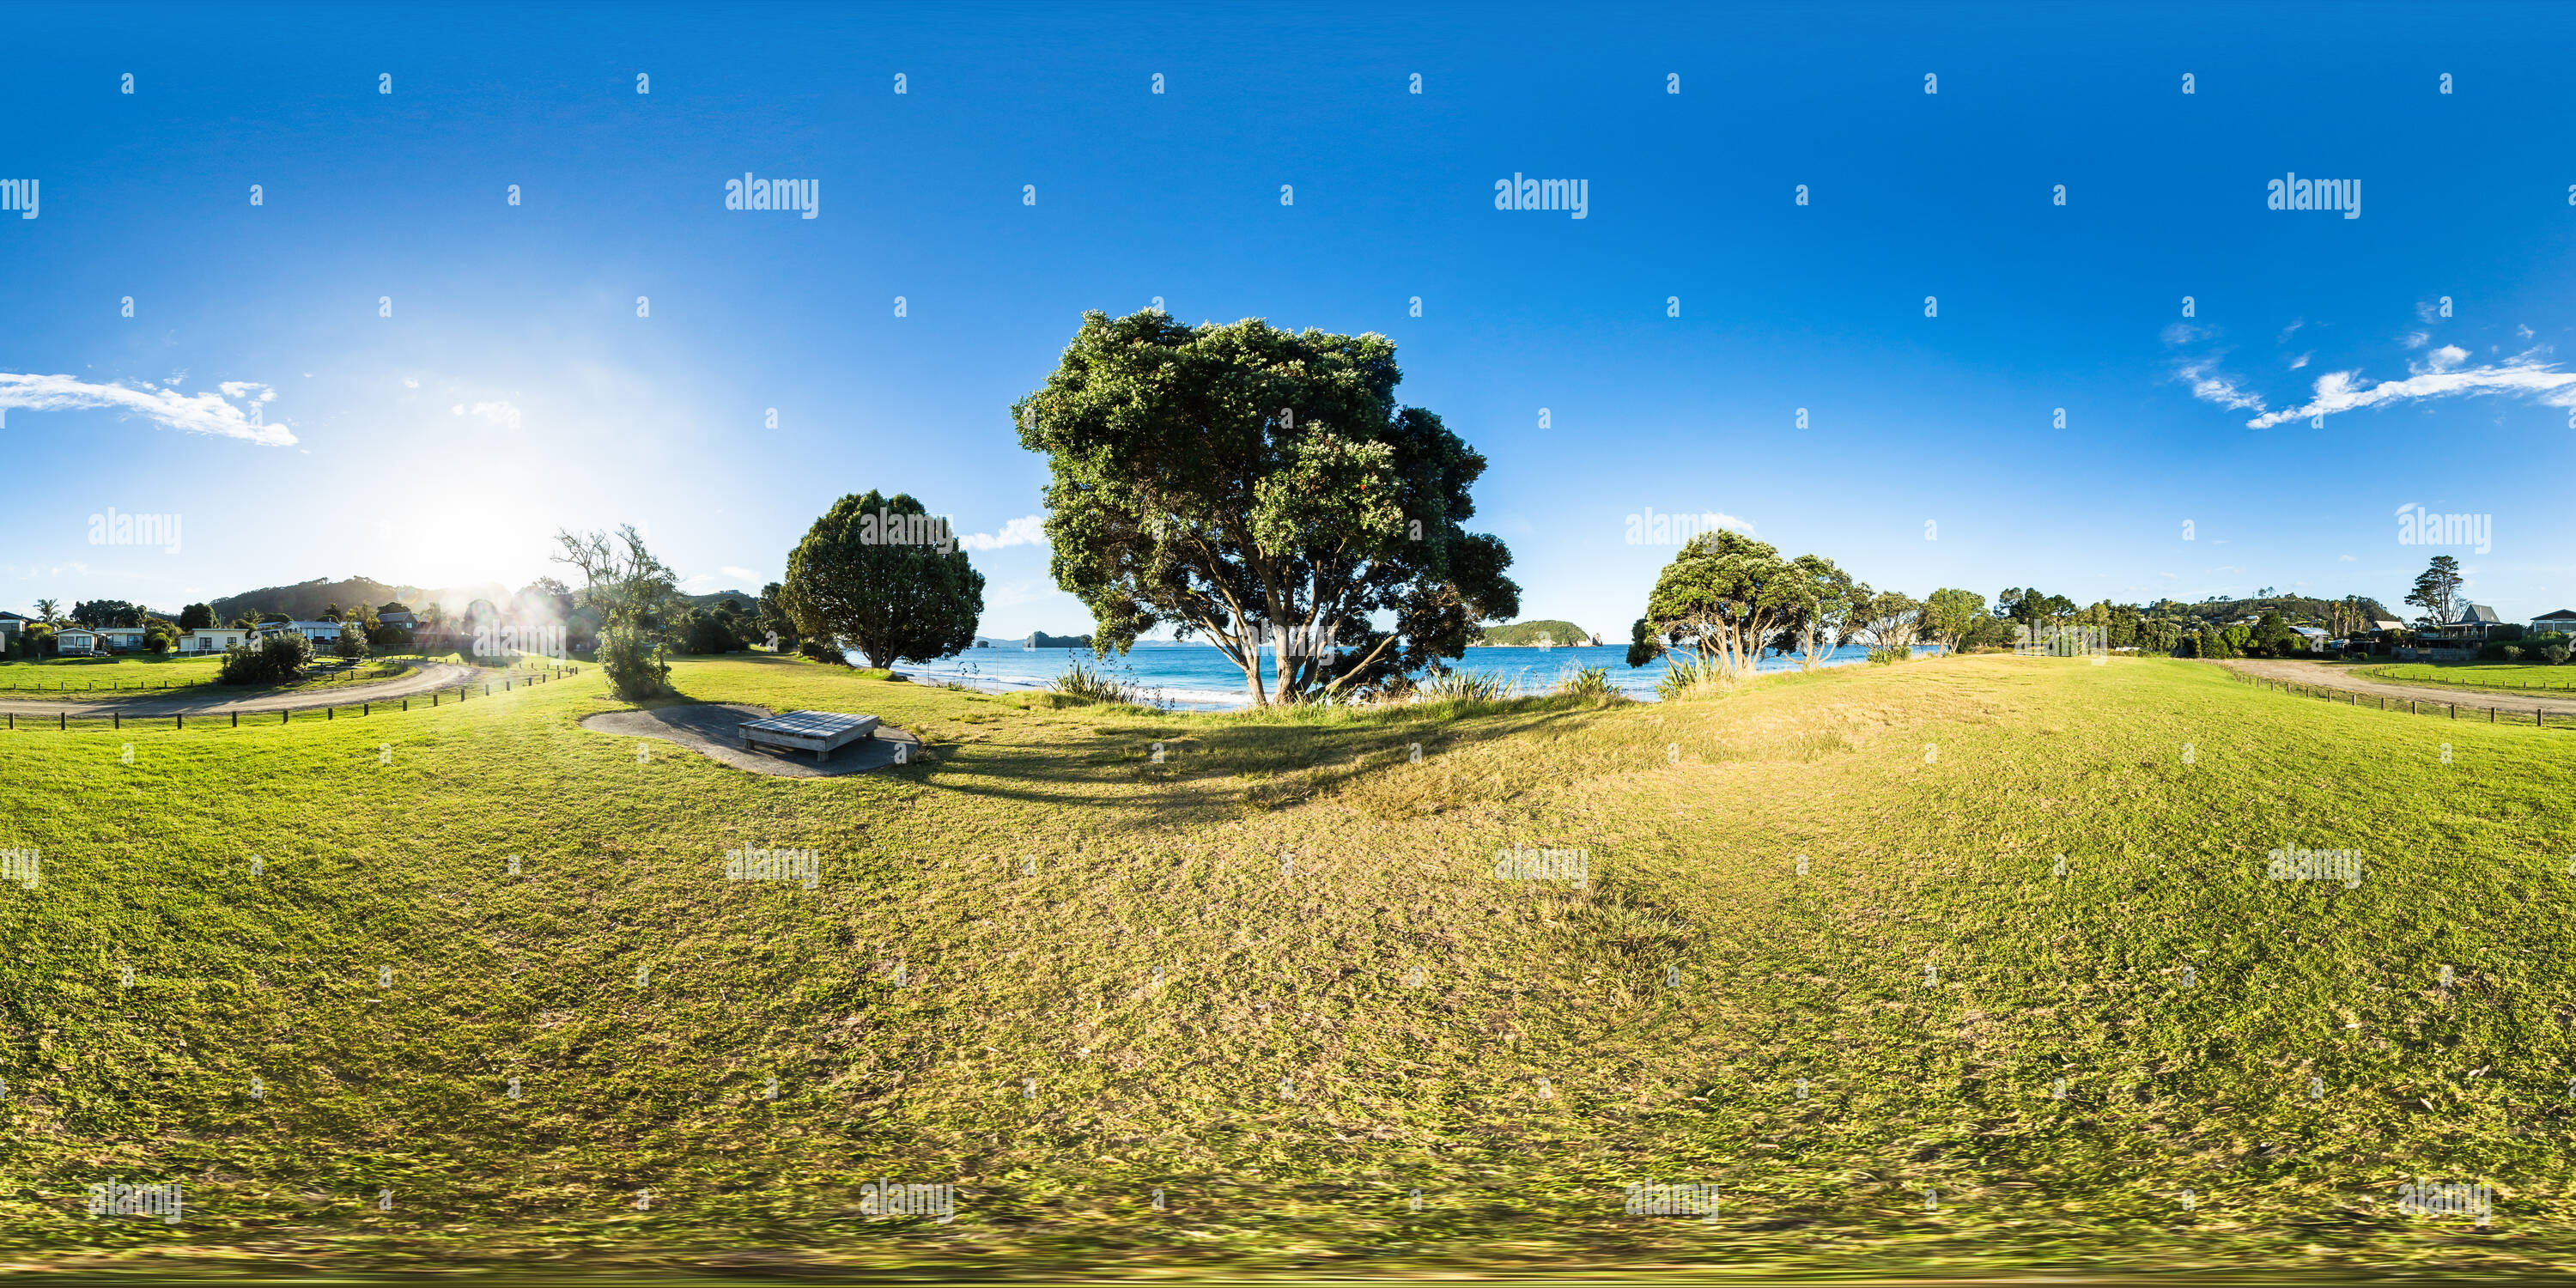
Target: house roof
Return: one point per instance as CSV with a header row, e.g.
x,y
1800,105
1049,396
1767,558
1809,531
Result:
x,y
2383,624
2479,614
16,617
2310,631
2561,615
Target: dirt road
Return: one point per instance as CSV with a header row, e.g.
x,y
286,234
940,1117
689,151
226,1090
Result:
x,y
2322,676
215,700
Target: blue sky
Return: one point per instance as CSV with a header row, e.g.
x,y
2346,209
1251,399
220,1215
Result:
x,y
514,390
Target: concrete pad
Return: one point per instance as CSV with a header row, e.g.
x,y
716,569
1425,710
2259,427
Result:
x,y
712,729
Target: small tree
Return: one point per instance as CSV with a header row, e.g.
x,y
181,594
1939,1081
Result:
x,y
197,617
1822,599
1890,619
883,576
352,645
1720,599
49,611
273,658
1950,614
635,595
2437,591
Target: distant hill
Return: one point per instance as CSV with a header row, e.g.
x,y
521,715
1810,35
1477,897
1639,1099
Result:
x,y
1525,634
305,600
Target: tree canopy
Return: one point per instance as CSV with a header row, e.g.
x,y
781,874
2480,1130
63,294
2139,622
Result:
x,y
1253,485
882,575
1720,598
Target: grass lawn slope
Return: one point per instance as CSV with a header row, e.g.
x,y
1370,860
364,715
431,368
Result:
x,y
1825,959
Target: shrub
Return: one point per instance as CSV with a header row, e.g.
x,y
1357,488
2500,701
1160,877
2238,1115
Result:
x,y
820,651
633,666
1450,685
2553,653
1889,656
2510,652
1591,683
1083,680
158,640
1686,676
274,658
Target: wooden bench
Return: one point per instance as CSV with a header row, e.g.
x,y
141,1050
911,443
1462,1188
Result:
x,y
821,732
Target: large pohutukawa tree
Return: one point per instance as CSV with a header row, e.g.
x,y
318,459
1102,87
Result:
x,y
884,576
1248,485
1719,600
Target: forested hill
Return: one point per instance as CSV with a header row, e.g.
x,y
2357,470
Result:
x,y
1524,634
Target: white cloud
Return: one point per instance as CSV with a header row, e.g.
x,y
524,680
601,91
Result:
x,y
2416,340
2442,359
2209,384
2290,330
2523,332
2302,359
739,574
1027,530
2167,576
206,413
499,413
411,382
2338,391
2343,558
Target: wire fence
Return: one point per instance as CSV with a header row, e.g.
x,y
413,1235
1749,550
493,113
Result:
x,y
348,672
2395,675
2538,717
72,718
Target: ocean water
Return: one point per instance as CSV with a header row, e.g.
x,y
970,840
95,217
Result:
x,y
1195,677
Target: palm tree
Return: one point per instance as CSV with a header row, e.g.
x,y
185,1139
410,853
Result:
x,y
50,611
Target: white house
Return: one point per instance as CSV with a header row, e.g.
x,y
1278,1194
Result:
x,y
320,633
2562,622
212,640
12,625
75,642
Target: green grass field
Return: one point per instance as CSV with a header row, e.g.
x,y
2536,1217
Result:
x,y
1045,968
2502,677
127,671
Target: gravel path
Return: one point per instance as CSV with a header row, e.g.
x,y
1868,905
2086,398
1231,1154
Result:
x,y
2322,676
214,700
